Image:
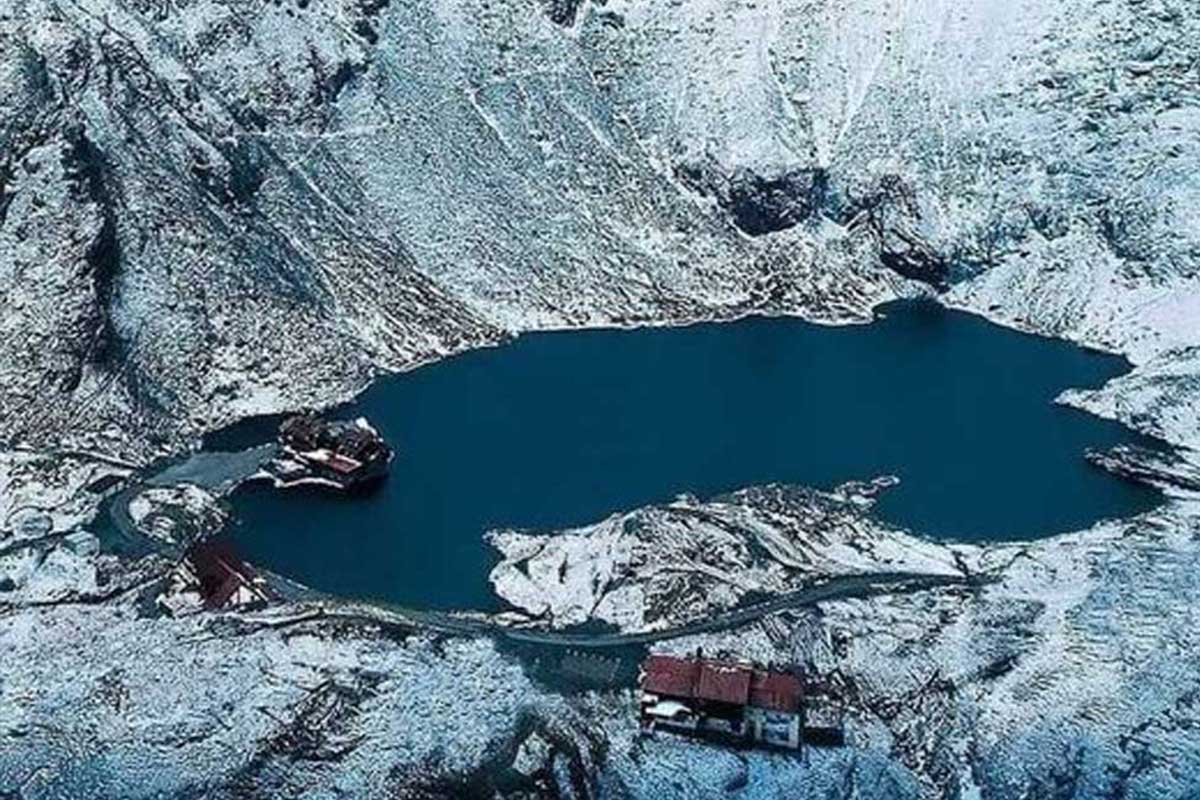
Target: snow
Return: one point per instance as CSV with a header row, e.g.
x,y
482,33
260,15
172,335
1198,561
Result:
x,y
663,566
213,210
194,712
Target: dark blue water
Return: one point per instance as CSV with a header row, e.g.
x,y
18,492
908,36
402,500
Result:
x,y
561,429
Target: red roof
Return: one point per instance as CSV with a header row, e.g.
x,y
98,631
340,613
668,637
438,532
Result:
x,y
669,675
224,592
219,571
341,463
721,682
776,691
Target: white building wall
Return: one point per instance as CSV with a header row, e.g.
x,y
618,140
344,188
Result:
x,y
776,728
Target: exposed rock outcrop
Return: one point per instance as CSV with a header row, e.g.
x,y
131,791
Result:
x,y
758,204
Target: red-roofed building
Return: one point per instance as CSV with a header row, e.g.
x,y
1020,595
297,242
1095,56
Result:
x,y
343,454
221,578
670,676
723,683
776,691
703,696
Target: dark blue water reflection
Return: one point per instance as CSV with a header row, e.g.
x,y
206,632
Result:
x,y
561,429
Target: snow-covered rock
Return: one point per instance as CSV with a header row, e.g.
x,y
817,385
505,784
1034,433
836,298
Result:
x,y
665,566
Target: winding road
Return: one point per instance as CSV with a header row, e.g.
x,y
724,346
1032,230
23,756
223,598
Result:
x,y
220,472
838,588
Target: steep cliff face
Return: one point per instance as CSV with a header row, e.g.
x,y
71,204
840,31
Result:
x,y
167,271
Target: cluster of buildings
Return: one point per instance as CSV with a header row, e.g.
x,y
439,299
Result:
x,y
344,455
731,701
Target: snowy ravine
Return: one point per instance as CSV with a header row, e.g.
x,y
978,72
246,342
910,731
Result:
x,y
210,210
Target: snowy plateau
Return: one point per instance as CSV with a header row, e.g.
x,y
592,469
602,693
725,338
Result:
x,y
215,210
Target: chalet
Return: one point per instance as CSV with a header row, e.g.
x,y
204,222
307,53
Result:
x,y
343,454
723,699
220,577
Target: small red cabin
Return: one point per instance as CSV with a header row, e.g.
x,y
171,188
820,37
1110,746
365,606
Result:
x,y
222,577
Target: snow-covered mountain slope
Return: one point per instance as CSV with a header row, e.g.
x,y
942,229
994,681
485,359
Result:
x,y
212,209
665,566
216,209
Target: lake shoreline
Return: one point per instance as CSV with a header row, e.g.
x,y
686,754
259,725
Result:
x,y
470,363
